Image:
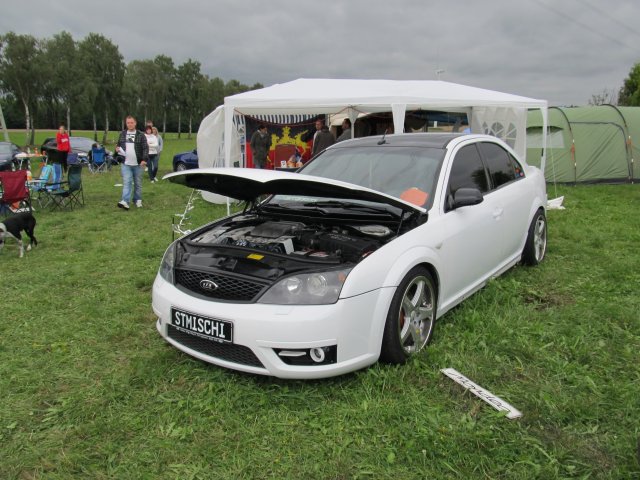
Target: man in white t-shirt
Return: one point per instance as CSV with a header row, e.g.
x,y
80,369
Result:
x,y
132,145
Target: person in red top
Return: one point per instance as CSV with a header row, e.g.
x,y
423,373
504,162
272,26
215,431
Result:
x,y
63,144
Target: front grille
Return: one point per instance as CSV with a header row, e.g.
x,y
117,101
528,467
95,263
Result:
x,y
229,288
224,351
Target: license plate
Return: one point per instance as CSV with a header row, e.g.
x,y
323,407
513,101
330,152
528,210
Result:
x,y
204,327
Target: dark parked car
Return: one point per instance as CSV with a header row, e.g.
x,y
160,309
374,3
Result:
x,y
8,152
185,161
80,145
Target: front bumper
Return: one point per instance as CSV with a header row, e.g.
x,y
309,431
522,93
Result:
x,y
354,325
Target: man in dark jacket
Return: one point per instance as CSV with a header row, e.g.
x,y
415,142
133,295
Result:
x,y
346,131
324,138
132,145
260,145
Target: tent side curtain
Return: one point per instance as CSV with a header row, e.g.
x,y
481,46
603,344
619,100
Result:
x,y
210,138
211,144
508,124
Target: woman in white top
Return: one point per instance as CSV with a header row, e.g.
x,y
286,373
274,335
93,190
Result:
x,y
152,141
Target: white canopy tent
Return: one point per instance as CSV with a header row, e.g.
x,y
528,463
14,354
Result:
x,y
500,114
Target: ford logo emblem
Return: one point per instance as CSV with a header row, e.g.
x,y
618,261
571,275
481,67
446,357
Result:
x,y
209,285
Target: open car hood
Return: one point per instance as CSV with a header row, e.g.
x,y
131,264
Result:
x,y
247,184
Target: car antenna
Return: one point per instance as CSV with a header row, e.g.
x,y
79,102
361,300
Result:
x,y
382,141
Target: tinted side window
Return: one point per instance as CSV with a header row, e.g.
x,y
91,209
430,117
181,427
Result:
x,y
517,167
499,164
468,171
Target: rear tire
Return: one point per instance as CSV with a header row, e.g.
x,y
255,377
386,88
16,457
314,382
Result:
x,y
536,245
180,167
411,316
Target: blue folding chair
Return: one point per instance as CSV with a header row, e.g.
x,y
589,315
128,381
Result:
x,y
98,161
39,186
46,197
57,178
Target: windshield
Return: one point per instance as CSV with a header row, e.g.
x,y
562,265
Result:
x,y
5,148
406,172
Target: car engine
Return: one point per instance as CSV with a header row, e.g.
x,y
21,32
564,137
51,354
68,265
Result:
x,y
343,243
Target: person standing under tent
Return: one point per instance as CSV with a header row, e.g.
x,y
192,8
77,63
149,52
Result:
x,y
323,139
346,131
260,145
311,136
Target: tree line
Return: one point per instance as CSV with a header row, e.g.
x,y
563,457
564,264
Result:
x,y
87,85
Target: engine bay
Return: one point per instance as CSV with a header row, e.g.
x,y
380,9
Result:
x,y
296,240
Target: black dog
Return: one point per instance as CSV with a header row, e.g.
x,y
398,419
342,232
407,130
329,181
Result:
x,y
12,226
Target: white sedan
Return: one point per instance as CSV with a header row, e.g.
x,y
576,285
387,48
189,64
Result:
x,y
351,260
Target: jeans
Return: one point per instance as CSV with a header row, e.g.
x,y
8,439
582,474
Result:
x,y
152,166
131,174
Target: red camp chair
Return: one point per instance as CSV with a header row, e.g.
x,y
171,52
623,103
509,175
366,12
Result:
x,y
15,191
282,153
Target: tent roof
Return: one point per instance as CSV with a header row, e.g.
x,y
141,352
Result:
x,y
310,95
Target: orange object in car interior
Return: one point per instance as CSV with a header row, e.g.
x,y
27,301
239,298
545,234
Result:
x,y
415,196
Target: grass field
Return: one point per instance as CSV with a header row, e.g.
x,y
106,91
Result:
x,y
90,390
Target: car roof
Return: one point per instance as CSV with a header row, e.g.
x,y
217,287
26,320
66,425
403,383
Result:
x,y
428,140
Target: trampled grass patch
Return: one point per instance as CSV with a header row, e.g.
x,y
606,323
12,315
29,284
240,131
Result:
x,y
90,390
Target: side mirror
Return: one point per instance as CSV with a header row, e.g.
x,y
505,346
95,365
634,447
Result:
x,y
465,197
195,150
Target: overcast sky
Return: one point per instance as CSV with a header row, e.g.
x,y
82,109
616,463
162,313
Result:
x,y
562,51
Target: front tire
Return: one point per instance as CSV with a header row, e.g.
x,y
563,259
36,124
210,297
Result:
x,y
411,316
536,245
181,167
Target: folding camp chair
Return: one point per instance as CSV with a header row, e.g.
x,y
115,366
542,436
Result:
x,y
70,194
98,162
15,195
39,186
73,158
45,192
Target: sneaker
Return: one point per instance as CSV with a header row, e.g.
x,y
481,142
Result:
x,y
123,204
139,203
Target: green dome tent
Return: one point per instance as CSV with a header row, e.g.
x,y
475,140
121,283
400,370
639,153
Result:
x,y
587,144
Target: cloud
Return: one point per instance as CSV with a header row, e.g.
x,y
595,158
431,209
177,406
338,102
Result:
x,y
560,51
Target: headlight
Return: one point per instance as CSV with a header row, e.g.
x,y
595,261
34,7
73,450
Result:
x,y
319,288
168,261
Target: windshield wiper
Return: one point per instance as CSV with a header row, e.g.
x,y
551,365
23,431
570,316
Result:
x,y
324,208
350,206
273,207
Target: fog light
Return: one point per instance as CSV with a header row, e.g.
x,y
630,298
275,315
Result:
x,y
317,354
